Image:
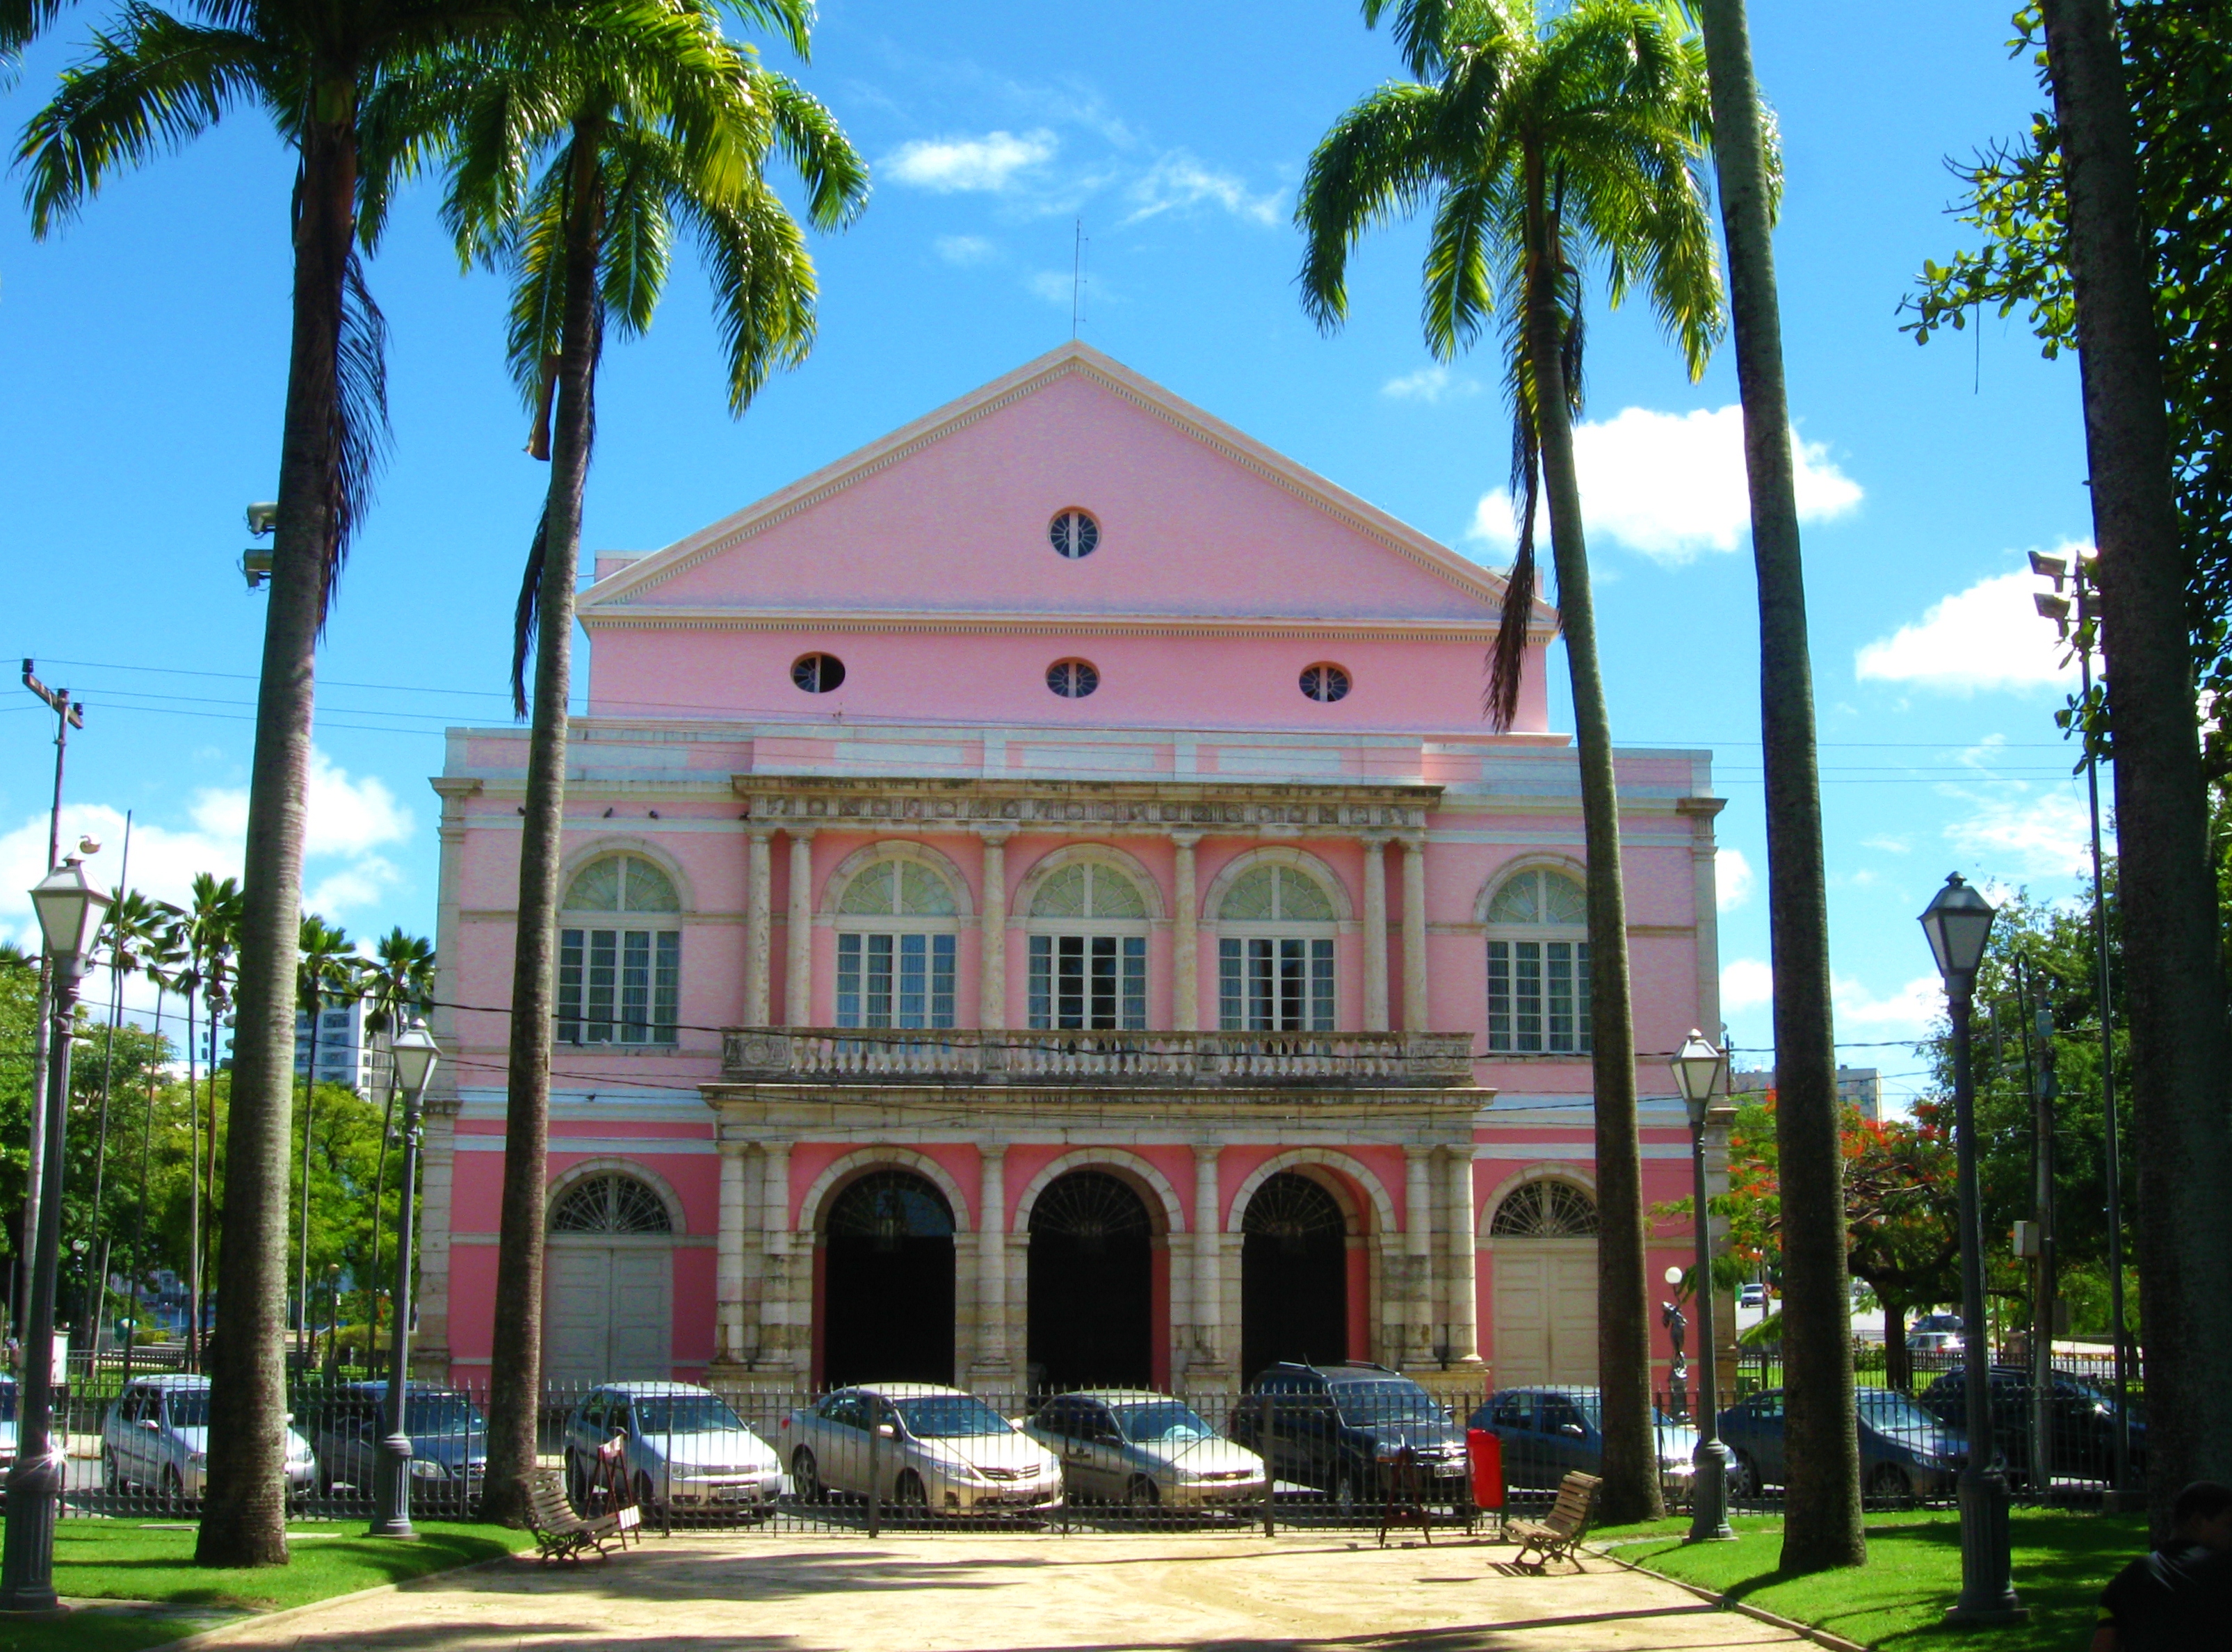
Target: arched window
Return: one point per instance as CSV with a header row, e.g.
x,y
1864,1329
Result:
x,y
1275,953
896,926
1545,1209
619,955
610,1204
1538,965
1088,948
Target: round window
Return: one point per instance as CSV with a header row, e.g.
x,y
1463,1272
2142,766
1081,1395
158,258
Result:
x,y
1073,679
1074,534
1325,683
818,673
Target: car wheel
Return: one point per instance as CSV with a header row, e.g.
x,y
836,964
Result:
x,y
111,1481
1887,1484
806,1478
910,1497
1743,1476
643,1499
1142,1492
1344,1493
174,1489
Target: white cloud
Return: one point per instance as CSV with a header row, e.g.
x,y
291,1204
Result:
x,y
353,887
1887,843
1055,286
964,249
1178,182
1746,983
1732,879
1911,1010
1434,383
2010,829
1988,637
1672,485
989,164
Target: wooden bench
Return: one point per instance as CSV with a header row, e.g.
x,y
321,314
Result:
x,y
1560,1534
562,1534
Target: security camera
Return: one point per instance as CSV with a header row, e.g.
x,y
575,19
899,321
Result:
x,y
256,568
262,518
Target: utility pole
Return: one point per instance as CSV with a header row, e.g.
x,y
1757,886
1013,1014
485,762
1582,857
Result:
x,y
69,713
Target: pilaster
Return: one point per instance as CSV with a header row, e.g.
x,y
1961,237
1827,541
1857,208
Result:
x,y
758,917
798,964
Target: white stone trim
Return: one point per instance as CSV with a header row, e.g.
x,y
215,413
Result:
x,y
1106,854
841,876
677,1223
1319,1158
814,1208
1563,1170
1133,1168
1301,860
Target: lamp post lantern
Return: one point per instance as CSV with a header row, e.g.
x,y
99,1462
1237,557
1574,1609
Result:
x,y
1701,1070
1958,921
414,1053
70,911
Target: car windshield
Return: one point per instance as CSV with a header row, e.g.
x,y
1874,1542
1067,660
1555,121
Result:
x,y
443,1414
1893,1413
949,1416
187,1407
1386,1402
1161,1421
685,1414
7,1402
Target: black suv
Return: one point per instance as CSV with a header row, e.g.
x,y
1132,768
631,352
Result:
x,y
2081,1422
1340,1428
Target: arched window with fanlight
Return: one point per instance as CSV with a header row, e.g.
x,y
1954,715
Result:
x,y
1538,965
1088,950
1275,953
619,955
895,927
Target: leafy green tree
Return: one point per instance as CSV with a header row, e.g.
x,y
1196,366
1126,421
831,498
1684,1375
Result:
x,y
399,984
580,149
1544,141
327,973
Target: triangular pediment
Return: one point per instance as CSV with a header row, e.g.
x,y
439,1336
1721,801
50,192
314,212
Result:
x,y
945,520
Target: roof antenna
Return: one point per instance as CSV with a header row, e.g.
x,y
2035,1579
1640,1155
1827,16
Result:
x,y
1077,281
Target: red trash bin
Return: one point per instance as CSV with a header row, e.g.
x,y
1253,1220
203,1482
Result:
x,y
1484,1452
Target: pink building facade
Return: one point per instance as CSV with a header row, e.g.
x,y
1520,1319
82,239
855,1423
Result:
x,y
1043,907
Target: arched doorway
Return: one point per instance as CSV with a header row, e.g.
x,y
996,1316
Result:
x,y
1294,1274
609,1283
1542,1242
1092,1292
887,1291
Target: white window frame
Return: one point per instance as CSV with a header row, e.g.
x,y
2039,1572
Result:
x,y
1538,979
1088,973
620,973
1278,975
919,955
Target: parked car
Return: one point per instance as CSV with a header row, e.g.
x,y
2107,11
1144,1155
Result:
x,y
448,1435
1342,1429
1146,1448
1751,1295
936,1449
683,1447
1548,1432
8,1436
1906,1453
1933,1342
2081,1425
157,1436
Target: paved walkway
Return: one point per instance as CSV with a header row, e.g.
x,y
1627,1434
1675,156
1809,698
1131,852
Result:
x,y
1077,1594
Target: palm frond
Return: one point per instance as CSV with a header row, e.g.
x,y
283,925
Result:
x,y
835,176
763,286
1459,292
525,617
1378,161
361,435
640,175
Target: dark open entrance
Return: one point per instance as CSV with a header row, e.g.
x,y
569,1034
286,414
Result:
x,y
887,1298
1294,1275
1092,1294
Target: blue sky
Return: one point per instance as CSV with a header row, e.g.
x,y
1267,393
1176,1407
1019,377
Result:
x,y
142,355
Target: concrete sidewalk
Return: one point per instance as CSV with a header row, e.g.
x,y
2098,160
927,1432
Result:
x,y
1080,1594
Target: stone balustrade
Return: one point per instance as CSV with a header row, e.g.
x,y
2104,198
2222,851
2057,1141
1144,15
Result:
x,y
1176,1060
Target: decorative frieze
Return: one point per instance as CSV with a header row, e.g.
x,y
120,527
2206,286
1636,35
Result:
x,y
1163,806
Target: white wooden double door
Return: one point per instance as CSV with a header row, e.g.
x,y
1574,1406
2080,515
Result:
x,y
1546,1311
607,1311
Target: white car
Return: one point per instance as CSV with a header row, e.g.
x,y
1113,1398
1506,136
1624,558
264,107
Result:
x,y
157,1436
1146,1448
936,1449
686,1449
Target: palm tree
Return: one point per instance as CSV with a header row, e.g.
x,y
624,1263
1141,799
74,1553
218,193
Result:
x,y
2173,971
209,929
398,983
581,150
162,955
1541,143
326,972
130,926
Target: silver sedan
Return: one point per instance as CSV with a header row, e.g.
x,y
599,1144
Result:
x,y
1146,1448
918,1446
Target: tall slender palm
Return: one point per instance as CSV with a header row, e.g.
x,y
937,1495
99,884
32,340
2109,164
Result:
x,y
209,927
325,973
398,983
164,953
154,82
1822,1528
130,926
582,150
1543,143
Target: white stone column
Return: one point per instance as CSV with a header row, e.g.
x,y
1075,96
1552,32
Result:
x,y
1208,1256
758,917
1185,939
781,1342
992,926
1375,935
1415,1018
798,966
1418,1252
728,1256
992,1258
1464,1261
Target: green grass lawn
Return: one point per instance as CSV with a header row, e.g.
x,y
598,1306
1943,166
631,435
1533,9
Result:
x,y
154,1562
1899,1599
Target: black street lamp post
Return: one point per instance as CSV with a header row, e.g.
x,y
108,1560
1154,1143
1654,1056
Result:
x,y
414,1052
1958,921
1701,1070
70,911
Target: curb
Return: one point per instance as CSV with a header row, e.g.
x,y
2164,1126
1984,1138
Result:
x,y
1819,1636
286,1614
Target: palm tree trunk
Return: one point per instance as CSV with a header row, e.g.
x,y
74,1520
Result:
x,y
146,1152
244,1512
302,1253
1630,1488
1822,1526
2173,972
378,1198
516,1368
193,1195
210,1183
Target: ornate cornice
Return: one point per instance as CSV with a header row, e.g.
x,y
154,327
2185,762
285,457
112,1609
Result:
x,y
1160,806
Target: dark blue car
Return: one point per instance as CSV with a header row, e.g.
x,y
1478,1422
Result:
x,y
1906,1454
